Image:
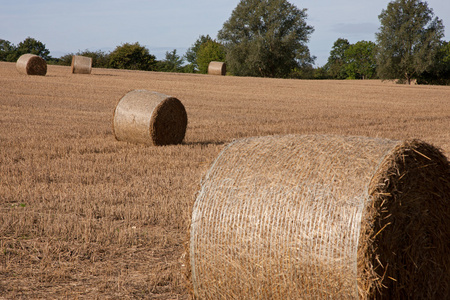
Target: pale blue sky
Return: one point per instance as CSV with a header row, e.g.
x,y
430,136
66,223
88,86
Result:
x,y
69,26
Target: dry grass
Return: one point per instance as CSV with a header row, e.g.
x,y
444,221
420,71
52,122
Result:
x,y
82,215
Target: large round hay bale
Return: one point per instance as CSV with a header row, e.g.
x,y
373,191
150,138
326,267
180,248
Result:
x,y
217,68
81,64
150,118
31,64
323,217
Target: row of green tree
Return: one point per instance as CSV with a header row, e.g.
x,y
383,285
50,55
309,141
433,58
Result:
x,y
351,61
269,39
409,46
126,56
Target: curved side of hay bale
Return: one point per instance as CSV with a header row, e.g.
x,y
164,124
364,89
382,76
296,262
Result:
x,y
293,217
149,118
31,64
81,64
217,68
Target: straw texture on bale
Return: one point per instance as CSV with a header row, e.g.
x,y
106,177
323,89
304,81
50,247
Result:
x,y
217,68
322,217
81,64
150,118
31,64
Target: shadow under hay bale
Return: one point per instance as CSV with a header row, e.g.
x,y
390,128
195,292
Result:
x,y
315,217
150,118
217,68
31,64
81,64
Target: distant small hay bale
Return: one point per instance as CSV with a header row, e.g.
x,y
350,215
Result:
x,y
149,118
322,217
217,68
81,64
31,64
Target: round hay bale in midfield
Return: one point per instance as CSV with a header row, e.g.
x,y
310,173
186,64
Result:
x,y
149,118
31,64
322,217
217,68
81,64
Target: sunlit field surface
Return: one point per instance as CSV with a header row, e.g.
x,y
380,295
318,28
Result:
x,y
83,215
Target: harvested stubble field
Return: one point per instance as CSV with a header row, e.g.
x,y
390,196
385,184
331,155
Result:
x,y
85,216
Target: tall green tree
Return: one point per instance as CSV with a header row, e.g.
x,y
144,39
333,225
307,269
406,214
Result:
x,y
6,50
208,52
33,46
191,53
360,60
408,39
29,45
172,62
440,71
336,63
266,38
132,57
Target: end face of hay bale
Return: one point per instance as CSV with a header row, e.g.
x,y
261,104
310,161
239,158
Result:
x,y
81,64
217,68
289,217
405,237
31,64
150,118
169,122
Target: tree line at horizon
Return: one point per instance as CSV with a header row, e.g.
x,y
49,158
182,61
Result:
x,y
269,39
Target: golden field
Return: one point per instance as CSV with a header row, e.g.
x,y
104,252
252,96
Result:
x,y
85,216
